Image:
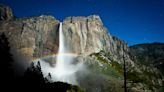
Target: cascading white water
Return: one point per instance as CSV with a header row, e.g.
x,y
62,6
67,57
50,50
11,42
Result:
x,y
64,70
60,58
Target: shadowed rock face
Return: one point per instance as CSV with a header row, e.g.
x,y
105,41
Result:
x,y
149,54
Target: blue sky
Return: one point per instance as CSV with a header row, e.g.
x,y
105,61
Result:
x,y
134,21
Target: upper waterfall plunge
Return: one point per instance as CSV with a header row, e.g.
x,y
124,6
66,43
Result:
x,y
61,39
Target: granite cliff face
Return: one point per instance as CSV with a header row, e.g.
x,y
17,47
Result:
x,y
33,37
87,35
36,37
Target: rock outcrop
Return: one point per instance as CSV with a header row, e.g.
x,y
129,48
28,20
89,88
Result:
x,y
87,35
5,13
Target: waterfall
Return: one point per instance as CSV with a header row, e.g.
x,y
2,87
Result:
x,y
61,40
64,69
60,57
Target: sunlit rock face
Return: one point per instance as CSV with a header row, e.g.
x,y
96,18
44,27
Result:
x,y
86,35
